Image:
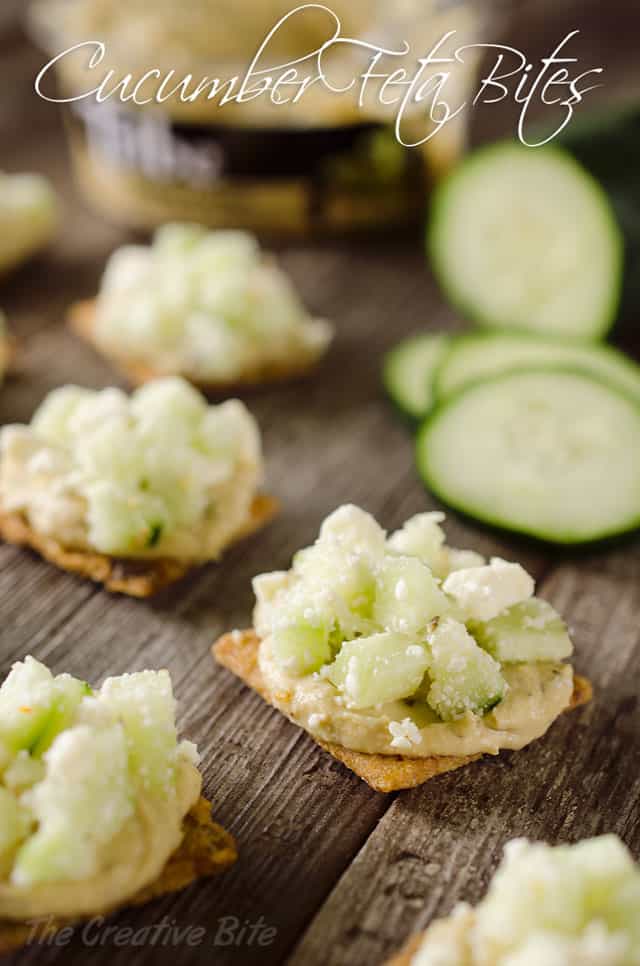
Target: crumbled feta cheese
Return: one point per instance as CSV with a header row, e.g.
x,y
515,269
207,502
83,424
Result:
x,y
481,593
405,734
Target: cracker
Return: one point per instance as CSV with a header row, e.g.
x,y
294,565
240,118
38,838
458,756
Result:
x,y
80,319
135,577
238,652
205,850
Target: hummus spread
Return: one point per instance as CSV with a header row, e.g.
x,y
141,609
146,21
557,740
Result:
x,y
131,861
537,694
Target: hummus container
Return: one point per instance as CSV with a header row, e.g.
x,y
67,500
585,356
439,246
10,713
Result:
x,y
325,164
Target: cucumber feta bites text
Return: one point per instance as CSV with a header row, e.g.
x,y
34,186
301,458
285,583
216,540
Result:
x,y
158,474
403,620
563,905
89,780
208,305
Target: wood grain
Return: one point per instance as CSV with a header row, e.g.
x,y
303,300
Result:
x,y
342,874
440,844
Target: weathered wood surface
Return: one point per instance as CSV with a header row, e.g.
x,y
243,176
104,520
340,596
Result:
x,y
341,873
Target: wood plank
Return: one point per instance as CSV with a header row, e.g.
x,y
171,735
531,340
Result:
x,y
298,815
441,843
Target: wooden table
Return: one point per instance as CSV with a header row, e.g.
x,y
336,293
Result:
x,y
341,873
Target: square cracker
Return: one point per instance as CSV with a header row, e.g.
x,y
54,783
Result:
x,y
238,652
81,319
136,577
205,850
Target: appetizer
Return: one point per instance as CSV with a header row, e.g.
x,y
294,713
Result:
x,y
28,214
132,491
206,305
572,905
401,656
100,803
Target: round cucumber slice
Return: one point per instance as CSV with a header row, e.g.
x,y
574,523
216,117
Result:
x,y
525,238
552,454
478,356
409,369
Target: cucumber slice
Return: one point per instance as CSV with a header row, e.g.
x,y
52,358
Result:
x,y
527,239
553,454
475,357
408,372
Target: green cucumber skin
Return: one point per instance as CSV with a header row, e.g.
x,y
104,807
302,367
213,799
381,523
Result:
x,y
486,335
392,363
438,217
561,542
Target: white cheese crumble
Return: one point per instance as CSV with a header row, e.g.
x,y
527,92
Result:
x,y
482,593
405,734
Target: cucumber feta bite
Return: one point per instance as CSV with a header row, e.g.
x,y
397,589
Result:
x,y
561,906
158,474
94,786
28,215
403,643
208,305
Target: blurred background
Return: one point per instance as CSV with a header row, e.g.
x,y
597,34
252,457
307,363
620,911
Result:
x,y
346,173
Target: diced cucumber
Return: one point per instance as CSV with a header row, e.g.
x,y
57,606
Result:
x,y
336,579
355,530
529,631
464,677
554,454
302,648
81,803
527,239
145,705
558,892
478,356
378,669
52,417
409,370
423,537
407,596
26,697
68,692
